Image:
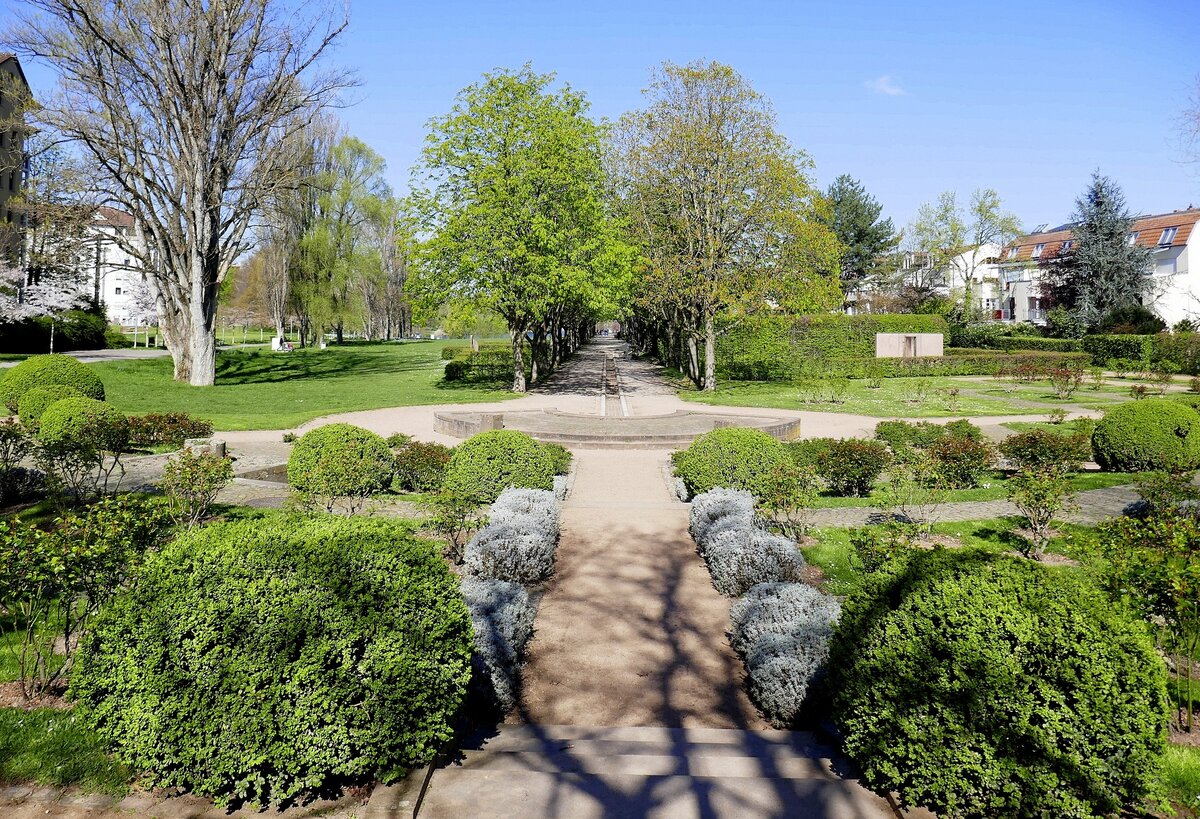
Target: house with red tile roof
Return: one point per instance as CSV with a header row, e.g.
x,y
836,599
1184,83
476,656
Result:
x,y
1175,281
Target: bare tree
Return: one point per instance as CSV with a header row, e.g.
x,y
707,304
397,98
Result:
x,y
186,108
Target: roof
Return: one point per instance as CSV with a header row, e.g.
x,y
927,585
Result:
x,y
1148,229
7,57
114,217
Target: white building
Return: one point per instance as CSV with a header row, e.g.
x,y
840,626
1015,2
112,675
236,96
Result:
x,y
977,269
114,275
1175,289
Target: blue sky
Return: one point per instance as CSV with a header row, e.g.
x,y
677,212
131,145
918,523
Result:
x,y
910,97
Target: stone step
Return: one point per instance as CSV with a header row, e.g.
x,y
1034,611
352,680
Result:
x,y
501,794
652,751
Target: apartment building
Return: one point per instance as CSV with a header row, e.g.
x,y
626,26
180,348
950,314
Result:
x,y
14,91
1175,280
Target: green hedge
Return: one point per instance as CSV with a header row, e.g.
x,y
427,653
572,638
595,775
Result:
x,y
36,401
44,370
1104,348
486,464
76,330
1181,349
985,686
987,362
730,458
84,424
491,362
1029,343
340,461
1155,434
265,659
772,348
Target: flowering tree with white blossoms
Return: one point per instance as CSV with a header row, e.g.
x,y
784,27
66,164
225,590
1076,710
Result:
x,y
20,300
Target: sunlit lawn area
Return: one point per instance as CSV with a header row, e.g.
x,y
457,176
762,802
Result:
x,y
927,397
993,489
259,389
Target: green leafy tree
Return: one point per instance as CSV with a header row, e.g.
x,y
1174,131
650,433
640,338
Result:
x,y
722,207
855,217
955,243
1103,270
513,200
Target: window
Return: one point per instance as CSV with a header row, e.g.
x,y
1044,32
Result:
x,y
1066,245
117,291
1131,240
1012,252
1037,251
1168,236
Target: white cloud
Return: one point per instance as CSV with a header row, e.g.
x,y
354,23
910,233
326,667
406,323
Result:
x,y
884,85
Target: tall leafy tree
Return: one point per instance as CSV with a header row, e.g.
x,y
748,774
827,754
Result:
x,y
722,206
512,196
856,220
184,108
1104,269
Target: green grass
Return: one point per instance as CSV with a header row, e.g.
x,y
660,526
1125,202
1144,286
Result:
x,y
994,489
834,555
1180,777
52,747
258,389
896,397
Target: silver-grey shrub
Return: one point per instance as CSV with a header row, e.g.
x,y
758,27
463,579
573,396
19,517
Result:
x,y
561,487
680,488
742,556
715,504
502,616
527,509
782,631
505,552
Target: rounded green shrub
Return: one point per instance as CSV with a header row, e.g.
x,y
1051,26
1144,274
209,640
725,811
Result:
x,y
730,458
44,370
980,685
486,464
84,423
1039,450
852,466
264,659
1155,434
340,461
35,401
560,458
962,463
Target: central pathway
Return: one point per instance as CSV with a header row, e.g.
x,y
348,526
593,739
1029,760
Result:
x,y
631,632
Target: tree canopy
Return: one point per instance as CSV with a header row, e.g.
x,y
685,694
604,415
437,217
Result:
x,y
722,208
512,197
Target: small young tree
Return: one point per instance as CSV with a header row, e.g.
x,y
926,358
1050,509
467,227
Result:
x,y
1039,495
789,497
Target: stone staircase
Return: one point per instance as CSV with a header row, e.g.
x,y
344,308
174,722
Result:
x,y
580,772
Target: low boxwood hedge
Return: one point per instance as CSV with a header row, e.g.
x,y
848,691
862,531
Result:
x,y
1155,434
35,402
266,659
340,461
44,370
84,423
980,685
730,457
486,464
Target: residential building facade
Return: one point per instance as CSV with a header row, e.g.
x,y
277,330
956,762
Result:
x,y
1174,292
14,91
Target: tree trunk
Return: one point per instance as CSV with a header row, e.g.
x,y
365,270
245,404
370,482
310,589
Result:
x,y
518,342
710,354
693,360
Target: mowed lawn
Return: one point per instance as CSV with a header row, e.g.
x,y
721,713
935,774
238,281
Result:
x,y
259,389
926,397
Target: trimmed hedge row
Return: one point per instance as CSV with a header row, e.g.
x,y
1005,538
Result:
x,y
1104,348
772,348
491,362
